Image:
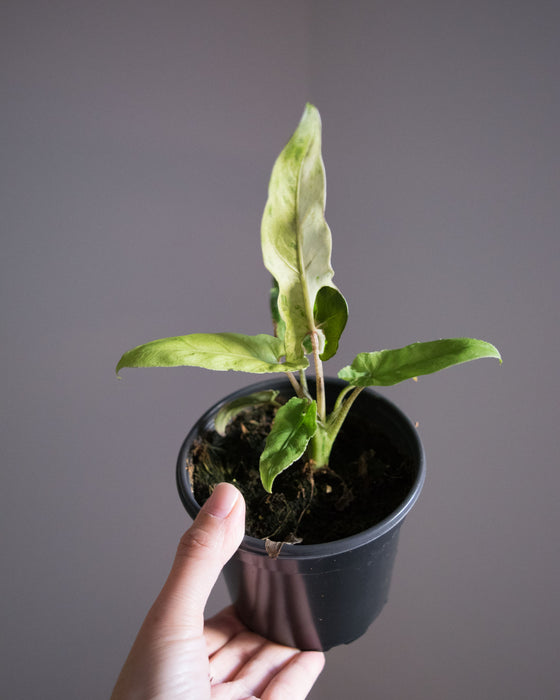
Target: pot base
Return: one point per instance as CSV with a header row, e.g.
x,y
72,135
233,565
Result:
x,y
309,603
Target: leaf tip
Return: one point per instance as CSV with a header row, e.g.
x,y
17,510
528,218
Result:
x,y
267,483
310,109
494,352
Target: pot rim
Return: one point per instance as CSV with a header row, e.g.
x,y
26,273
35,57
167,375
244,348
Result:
x,y
310,551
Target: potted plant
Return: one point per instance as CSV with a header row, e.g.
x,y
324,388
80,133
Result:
x,y
326,487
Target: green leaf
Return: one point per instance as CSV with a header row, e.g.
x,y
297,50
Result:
x,y
388,367
294,425
331,314
219,351
277,322
296,240
232,409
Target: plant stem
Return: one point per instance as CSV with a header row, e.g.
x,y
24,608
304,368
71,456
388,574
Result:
x,y
341,396
319,378
321,443
303,381
295,385
338,417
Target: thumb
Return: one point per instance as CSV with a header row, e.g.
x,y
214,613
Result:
x,y
202,552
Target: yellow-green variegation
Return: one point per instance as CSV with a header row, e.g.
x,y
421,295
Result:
x,y
296,239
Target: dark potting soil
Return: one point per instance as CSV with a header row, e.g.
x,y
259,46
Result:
x,y
366,480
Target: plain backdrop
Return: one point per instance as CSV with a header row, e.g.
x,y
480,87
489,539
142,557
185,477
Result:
x,y
137,140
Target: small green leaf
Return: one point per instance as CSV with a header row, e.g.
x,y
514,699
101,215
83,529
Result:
x,y
388,367
219,351
331,314
294,425
231,410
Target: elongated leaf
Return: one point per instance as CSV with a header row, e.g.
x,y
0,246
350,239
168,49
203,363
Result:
x,y
294,425
231,410
296,240
331,314
388,367
220,351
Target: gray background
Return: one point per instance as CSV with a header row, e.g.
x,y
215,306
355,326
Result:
x,y
137,142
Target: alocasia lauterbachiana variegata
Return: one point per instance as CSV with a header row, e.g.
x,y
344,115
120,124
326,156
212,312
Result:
x,y
309,314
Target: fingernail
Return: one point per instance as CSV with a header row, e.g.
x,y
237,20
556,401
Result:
x,y
221,501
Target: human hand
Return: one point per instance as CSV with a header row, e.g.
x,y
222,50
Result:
x,y
177,655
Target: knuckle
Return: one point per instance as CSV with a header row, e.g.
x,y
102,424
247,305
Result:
x,y
196,541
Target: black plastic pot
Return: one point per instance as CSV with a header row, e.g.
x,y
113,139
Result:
x,y
318,596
